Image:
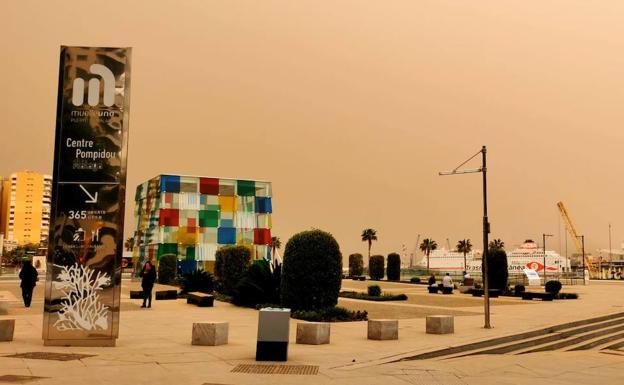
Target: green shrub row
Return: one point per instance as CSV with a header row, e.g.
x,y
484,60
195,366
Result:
x,y
394,267
376,268
356,264
368,297
332,314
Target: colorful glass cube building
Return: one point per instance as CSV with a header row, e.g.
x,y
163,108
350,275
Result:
x,y
192,217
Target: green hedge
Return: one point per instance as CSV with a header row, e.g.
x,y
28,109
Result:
x,y
376,267
374,291
367,297
230,266
356,264
552,287
167,269
497,269
332,314
394,267
312,271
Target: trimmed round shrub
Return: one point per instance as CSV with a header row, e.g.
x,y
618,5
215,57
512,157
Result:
x,y
311,271
356,264
374,290
230,266
197,280
376,267
167,268
394,267
415,280
553,287
497,269
519,289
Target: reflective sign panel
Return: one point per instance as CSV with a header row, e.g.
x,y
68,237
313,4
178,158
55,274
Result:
x,y
88,197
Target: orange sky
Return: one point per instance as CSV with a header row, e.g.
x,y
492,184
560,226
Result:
x,y
351,107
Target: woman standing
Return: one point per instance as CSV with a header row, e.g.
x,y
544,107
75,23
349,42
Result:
x,y
29,277
148,277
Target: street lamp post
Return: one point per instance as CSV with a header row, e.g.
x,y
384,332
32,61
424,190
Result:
x,y
486,225
544,245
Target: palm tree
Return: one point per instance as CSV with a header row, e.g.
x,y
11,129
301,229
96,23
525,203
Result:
x,y
129,244
465,247
426,247
369,235
275,244
497,244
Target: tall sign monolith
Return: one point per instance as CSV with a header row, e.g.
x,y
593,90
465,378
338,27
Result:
x,y
83,283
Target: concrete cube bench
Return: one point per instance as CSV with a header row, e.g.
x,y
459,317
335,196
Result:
x,y
136,294
210,333
7,327
313,333
4,307
200,299
447,290
166,294
440,324
383,329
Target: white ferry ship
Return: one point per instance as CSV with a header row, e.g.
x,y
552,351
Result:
x,y
527,256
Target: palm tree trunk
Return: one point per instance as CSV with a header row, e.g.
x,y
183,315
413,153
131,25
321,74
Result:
x,y
370,243
427,261
465,261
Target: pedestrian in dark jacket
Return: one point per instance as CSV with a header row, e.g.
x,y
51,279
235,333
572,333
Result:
x,y
28,275
432,280
148,277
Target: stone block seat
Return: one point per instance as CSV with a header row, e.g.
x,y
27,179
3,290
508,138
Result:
x,y
210,333
313,333
4,307
383,329
200,299
7,327
166,294
136,294
440,324
528,296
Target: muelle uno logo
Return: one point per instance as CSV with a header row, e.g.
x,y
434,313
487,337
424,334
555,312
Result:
x,y
94,87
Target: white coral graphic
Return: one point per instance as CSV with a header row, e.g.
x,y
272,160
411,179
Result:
x,y
81,308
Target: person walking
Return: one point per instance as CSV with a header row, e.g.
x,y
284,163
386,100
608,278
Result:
x,y
148,278
28,276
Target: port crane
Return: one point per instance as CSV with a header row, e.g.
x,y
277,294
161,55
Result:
x,y
415,252
575,237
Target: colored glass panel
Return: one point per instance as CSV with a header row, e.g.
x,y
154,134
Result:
x,y
227,203
208,218
190,253
246,188
209,186
169,217
227,187
226,235
262,236
170,183
167,248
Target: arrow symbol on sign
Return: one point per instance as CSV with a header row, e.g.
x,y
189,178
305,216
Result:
x,y
92,198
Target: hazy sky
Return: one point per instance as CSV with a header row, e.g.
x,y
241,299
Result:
x,y
351,108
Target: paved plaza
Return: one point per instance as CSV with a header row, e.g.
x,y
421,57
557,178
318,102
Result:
x,y
154,346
